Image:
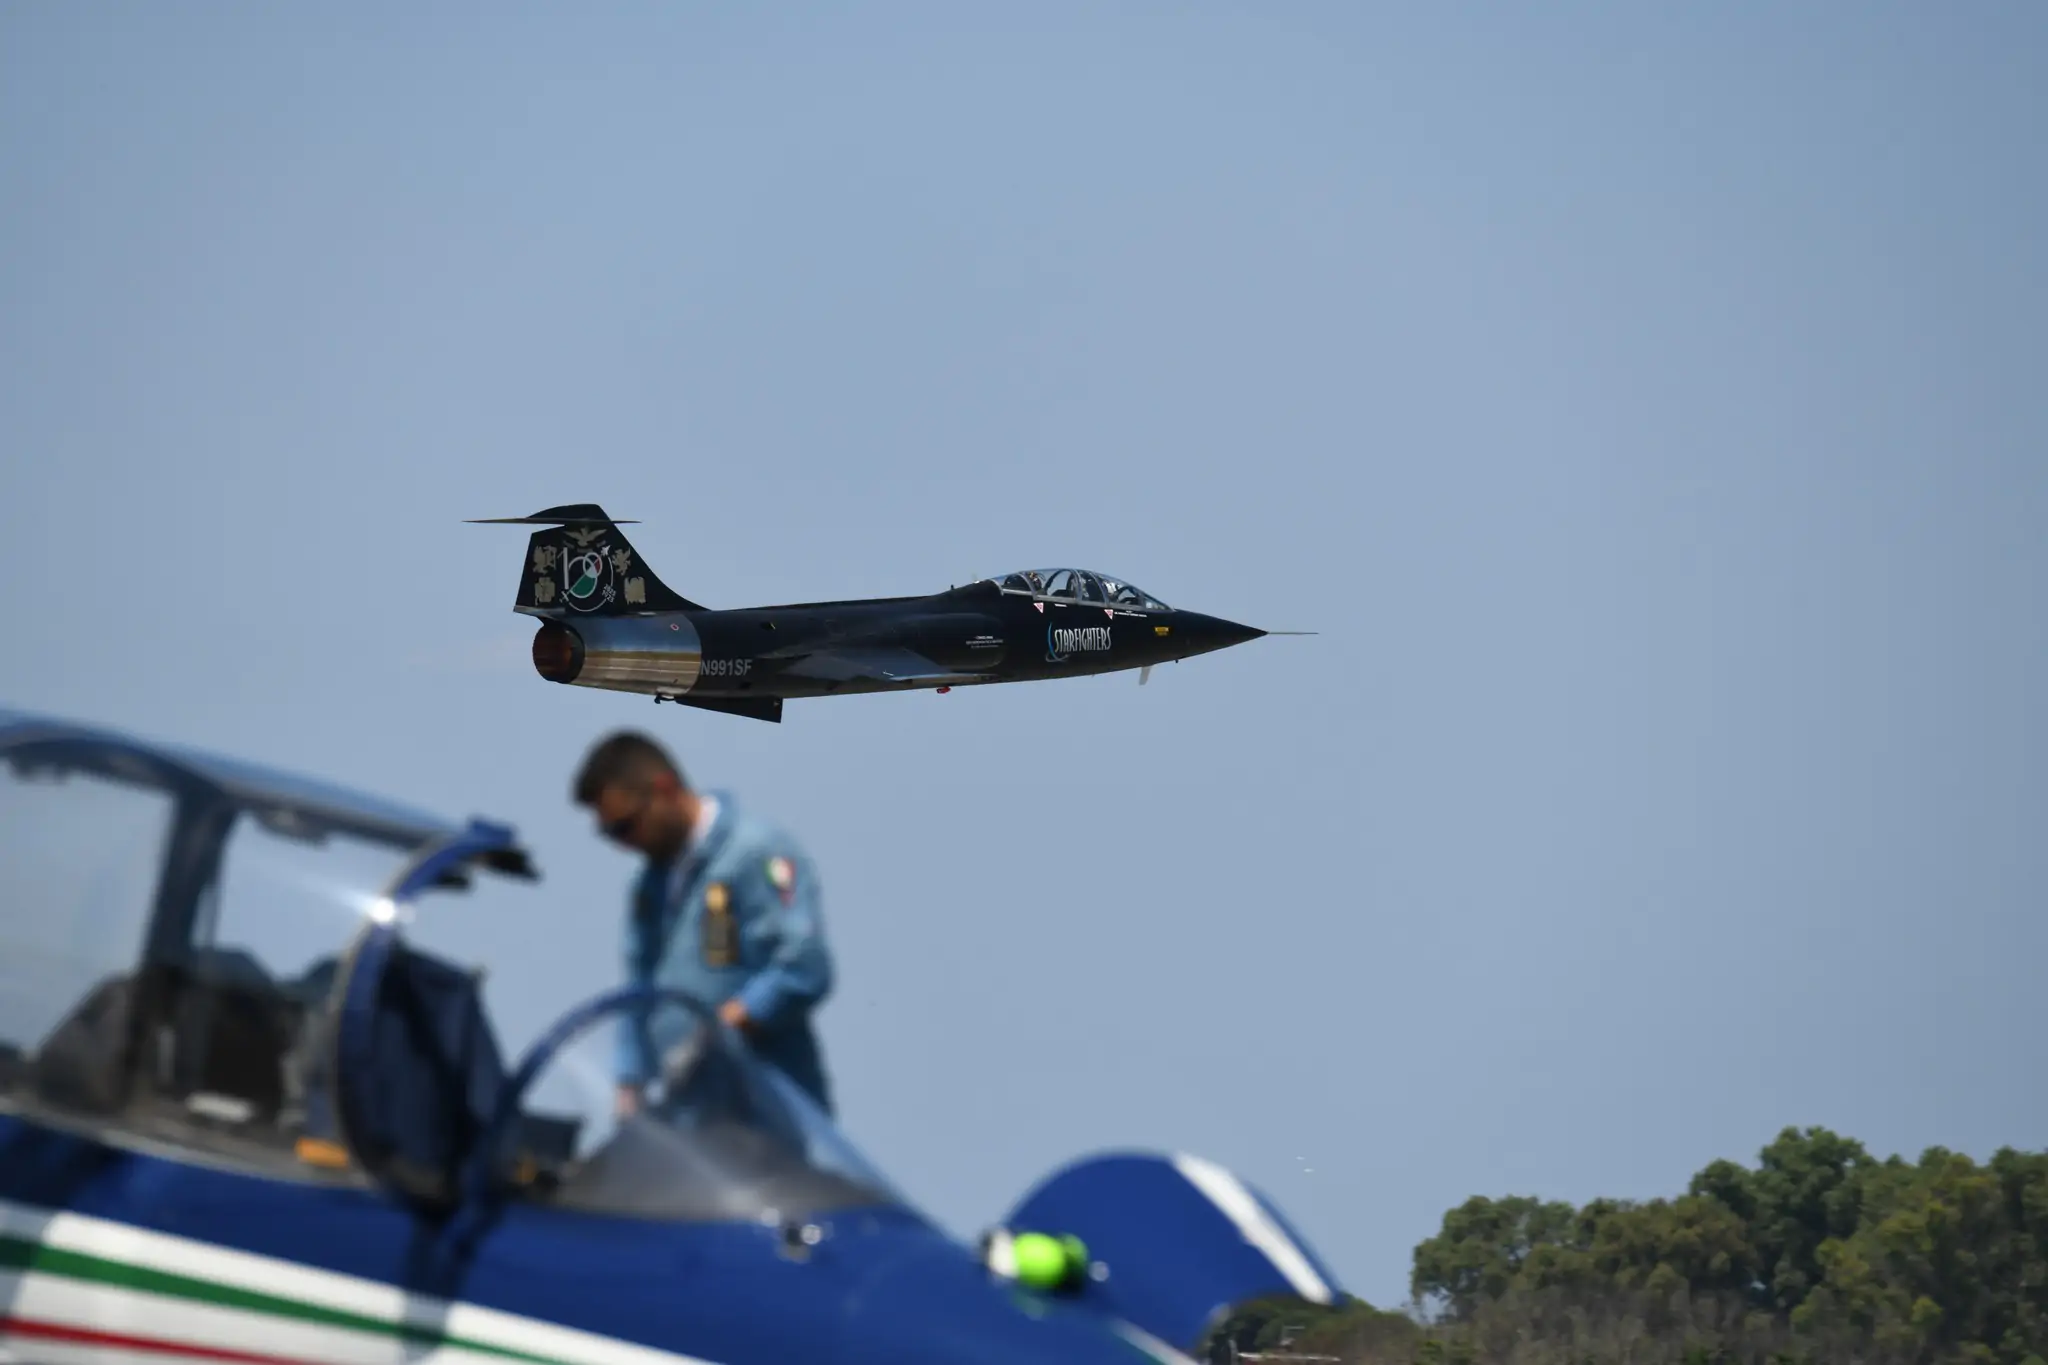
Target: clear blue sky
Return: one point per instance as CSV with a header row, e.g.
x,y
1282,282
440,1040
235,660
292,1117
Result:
x,y
1647,403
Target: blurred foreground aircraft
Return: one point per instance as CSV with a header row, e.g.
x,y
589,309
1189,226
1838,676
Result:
x,y
245,1118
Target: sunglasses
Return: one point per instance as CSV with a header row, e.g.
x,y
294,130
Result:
x,y
621,829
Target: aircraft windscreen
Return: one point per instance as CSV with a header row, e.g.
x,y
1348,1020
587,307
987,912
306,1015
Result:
x,y
81,855
730,1138
119,919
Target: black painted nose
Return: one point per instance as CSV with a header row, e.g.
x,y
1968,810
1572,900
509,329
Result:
x,y
1206,633
1231,633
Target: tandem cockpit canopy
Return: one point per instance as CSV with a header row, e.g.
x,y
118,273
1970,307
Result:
x,y
243,964
173,926
1079,585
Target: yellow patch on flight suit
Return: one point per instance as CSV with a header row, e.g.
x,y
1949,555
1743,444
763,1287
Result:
x,y
721,934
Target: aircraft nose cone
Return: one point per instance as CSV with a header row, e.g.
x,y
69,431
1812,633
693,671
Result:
x,y
1231,633
1205,633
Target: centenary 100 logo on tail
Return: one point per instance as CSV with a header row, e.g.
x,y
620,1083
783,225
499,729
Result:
x,y
590,574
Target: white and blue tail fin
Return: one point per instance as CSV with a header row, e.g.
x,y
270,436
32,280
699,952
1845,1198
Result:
x,y
1182,1243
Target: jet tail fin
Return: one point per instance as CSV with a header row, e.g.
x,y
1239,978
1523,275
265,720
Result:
x,y
583,565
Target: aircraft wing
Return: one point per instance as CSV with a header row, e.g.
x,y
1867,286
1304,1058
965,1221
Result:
x,y
878,663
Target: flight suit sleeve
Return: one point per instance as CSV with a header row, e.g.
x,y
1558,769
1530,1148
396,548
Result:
x,y
786,912
632,1064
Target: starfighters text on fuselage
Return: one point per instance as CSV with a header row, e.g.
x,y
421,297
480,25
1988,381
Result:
x,y
607,621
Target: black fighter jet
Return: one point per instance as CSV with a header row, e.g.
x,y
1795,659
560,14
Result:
x,y
607,621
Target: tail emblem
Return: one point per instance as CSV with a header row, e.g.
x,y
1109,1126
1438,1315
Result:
x,y
586,576
585,573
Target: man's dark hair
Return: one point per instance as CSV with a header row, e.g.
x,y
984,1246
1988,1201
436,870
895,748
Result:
x,y
623,759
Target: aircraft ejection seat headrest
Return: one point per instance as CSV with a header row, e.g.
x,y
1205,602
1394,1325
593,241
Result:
x,y
419,1098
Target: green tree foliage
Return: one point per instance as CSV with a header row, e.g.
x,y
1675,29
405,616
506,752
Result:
x,y
1805,1192
1484,1246
1818,1254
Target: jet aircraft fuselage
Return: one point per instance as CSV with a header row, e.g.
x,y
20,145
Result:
x,y
608,622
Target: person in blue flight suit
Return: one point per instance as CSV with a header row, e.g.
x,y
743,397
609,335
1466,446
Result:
x,y
726,910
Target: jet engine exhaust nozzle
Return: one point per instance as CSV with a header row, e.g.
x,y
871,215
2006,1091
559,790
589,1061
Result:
x,y
557,652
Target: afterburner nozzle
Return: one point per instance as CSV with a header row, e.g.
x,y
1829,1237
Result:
x,y
557,652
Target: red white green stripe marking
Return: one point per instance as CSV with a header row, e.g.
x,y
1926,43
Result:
x,y
86,1289
24,1330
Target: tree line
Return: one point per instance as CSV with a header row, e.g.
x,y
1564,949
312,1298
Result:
x,y
1820,1254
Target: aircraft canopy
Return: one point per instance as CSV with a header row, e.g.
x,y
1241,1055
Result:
x,y
1079,585
244,964
726,1137
172,925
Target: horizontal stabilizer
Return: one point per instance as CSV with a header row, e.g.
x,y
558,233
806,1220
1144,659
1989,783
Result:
x,y
575,514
